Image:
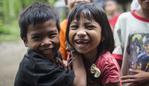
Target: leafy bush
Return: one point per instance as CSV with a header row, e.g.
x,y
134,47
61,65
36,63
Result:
x,y
9,32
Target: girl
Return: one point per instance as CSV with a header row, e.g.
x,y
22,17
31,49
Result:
x,y
89,34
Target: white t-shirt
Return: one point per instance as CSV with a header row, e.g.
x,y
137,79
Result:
x,y
131,35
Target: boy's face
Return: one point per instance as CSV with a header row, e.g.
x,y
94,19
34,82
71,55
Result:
x,y
72,3
43,38
144,4
110,7
85,35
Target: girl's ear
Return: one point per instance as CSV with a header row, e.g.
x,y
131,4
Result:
x,y
25,41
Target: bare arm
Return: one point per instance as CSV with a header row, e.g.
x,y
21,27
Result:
x,y
79,70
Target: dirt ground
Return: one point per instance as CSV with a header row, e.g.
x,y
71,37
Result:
x,y
10,55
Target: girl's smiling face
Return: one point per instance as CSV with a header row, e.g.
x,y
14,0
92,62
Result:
x,y
85,35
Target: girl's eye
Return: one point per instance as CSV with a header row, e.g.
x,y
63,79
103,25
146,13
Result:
x,y
74,27
90,27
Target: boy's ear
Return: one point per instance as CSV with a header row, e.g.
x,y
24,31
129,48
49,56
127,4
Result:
x,y
25,41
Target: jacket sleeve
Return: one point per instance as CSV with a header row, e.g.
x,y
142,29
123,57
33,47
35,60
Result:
x,y
43,73
52,75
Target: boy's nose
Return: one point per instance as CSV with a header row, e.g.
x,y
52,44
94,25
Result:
x,y
81,34
46,41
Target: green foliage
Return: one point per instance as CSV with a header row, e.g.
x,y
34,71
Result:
x,y
52,1
9,32
9,12
11,8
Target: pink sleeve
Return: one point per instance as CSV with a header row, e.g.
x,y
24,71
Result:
x,y
117,56
110,72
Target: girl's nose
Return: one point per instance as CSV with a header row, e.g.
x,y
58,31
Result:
x,y
81,34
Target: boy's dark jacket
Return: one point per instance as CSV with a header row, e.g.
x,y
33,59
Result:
x,y
35,70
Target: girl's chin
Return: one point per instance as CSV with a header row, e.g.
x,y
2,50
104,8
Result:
x,y
82,51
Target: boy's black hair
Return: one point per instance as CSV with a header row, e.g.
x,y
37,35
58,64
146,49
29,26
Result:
x,y
34,14
66,1
90,11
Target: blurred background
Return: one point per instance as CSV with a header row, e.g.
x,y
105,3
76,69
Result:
x,y
11,46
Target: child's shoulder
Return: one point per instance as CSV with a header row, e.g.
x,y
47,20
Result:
x,y
32,64
105,56
35,61
124,15
106,59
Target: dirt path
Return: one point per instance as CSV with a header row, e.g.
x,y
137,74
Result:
x,y
10,56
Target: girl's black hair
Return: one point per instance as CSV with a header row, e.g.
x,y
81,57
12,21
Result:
x,y
91,12
34,14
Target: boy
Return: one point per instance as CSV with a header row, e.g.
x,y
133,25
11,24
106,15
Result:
x,y
129,33
41,66
111,9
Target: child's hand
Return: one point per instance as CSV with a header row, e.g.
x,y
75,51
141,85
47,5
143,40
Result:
x,y
138,77
69,48
65,63
74,54
78,68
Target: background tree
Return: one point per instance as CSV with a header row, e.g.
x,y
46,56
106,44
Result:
x,y
9,11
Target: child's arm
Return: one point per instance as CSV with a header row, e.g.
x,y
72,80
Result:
x,y
139,77
79,70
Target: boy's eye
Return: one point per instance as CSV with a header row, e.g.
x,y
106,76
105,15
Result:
x,y
74,27
36,37
52,35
